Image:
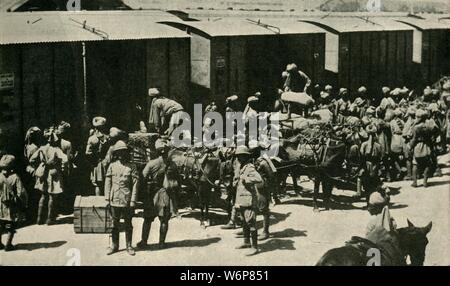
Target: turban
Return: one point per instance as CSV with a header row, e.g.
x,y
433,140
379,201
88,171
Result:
x,y
153,92
7,161
99,121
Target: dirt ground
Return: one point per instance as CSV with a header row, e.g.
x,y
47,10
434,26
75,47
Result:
x,y
298,235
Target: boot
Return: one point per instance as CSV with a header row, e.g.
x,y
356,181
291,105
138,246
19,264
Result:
x,y
1,244
129,241
162,234
255,249
265,233
414,176
408,170
425,177
239,234
40,214
358,188
229,225
146,226
246,243
9,246
438,172
51,211
114,241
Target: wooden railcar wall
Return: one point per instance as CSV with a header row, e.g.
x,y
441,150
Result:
x,y
255,63
435,55
375,59
49,82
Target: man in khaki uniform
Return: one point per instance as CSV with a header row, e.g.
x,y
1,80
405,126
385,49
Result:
x,y
421,144
165,113
96,149
246,198
121,187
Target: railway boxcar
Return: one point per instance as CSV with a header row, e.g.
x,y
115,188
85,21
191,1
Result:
x,y
72,66
366,51
241,56
431,48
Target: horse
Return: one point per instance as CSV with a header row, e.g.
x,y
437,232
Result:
x,y
200,170
394,248
320,157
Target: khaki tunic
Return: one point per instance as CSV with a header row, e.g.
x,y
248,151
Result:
x,y
96,150
121,184
55,162
397,141
13,198
246,193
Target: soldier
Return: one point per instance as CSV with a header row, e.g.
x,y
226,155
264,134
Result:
x,y
165,114
250,110
427,96
233,213
434,122
50,163
342,105
397,142
246,198
378,207
371,155
355,136
96,149
383,138
421,144
387,102
362,101
329,89
407,134
115,134
13,200
33,140
65,145
231,103
445,98
296,80
212,107
267,170
159,197
121,187
404,100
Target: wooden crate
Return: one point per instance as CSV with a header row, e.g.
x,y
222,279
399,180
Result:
x,y
91,215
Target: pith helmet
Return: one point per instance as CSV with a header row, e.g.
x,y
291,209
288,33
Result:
x,y
120,145
7,161
242,150
377,199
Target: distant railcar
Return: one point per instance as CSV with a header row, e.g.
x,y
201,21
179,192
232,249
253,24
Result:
x,y
431,48
243,56
366,51
47,77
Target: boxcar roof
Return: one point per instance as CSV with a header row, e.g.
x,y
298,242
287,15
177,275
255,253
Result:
x,y
356,24
422,24
6,5
245,27
37,27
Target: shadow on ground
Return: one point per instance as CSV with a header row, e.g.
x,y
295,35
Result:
x,y
39,245
277,244
184,243
289,232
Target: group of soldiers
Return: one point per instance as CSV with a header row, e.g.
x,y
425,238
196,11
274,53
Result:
x,y
398,136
